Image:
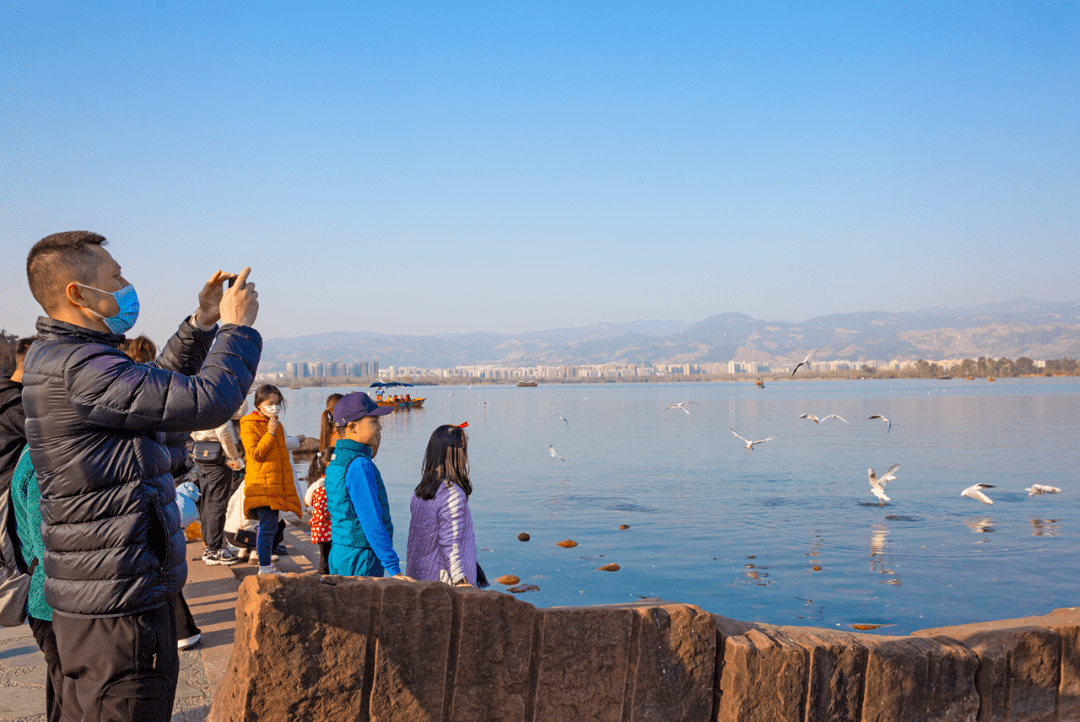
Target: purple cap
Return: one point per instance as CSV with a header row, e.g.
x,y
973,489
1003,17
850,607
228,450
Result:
x,y
355,406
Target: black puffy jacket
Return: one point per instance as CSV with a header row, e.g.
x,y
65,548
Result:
x,y
12,429
95,422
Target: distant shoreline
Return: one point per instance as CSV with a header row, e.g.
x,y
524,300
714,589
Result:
x,y
353,382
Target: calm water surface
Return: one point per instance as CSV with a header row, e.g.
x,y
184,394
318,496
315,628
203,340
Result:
x,y
789,534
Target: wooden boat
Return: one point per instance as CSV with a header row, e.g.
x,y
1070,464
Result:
x,y
760,384
969,378
944,378
989,378
526,384
400,402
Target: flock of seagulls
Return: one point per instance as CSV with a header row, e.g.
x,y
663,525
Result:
x,y
877,484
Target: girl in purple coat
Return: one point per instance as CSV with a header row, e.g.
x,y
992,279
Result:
x,y
442,545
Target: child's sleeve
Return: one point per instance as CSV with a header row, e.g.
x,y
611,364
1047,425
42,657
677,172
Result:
x,y
363,491
452,523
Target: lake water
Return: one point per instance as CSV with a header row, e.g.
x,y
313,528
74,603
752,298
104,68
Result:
x,y
788,534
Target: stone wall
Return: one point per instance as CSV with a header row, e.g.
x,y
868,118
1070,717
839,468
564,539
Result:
x,y
332,648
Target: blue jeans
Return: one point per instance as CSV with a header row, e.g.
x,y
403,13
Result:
x,y
264,542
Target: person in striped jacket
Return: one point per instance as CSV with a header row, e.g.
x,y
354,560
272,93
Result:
x,y
442,545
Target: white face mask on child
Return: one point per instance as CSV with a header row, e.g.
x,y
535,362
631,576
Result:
x,y
271,409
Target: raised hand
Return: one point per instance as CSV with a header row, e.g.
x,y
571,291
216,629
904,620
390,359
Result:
x,y
210,298
272,425
240,303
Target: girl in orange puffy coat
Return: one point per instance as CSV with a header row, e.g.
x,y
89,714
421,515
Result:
x,y
269,484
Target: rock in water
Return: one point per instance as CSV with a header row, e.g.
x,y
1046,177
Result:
x,y
523,588
624,526
567,543
508,579
613,567
523,536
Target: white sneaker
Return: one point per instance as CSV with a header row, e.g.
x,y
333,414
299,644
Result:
x,y
269,569
189,642
243,554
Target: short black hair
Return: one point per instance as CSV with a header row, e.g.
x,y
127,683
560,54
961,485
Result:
x,y
56,259
266,391
22,346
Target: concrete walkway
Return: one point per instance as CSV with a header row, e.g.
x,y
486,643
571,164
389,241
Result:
x,y
211,593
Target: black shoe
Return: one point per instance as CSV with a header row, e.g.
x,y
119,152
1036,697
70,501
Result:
x,y
281,550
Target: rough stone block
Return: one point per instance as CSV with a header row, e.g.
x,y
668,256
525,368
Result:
x,y
837,673
413,629
494,634
300,650
1029,667
583,664
919,680
763,676
675,660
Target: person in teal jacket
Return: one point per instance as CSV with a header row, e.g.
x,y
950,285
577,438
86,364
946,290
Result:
x,y
26,503
361,531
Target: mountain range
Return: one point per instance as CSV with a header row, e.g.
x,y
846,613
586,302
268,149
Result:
x,y
1021,327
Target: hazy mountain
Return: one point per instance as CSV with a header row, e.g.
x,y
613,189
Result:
x,y
1021,327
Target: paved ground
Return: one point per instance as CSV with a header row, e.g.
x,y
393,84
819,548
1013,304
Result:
x,y
210,592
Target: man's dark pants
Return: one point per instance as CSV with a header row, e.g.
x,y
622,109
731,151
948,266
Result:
x,y
119,668
54,679
214,483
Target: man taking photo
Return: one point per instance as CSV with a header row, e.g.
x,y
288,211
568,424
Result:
x,y
96,424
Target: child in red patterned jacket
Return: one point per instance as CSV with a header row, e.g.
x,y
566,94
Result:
x,y
315,498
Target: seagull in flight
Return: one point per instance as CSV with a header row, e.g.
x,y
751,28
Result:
x,y
884,420
803,362
877,486
563,418
555,455
750,444
681,406
1039,489
816,420
975,492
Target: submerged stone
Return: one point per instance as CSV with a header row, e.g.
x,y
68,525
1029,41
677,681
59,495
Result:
x,y
567,543
523,588
508,579
613,567
624,526
523,536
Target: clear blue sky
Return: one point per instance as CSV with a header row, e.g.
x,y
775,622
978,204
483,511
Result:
x,y
440,167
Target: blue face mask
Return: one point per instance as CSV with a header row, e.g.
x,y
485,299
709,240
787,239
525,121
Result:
x,y
128,301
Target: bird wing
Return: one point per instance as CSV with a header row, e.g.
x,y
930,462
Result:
x,y
796,368
834,416
810,354
811,417
876,416
973,492
873,477
685,411
737,434
762,441
892,470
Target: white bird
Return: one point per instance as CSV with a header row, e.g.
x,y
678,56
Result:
x,y
450,394
680,406
811,417
1038,489
555,455
803,362
975,492
750,444
563,418
879,416
834,416
877,486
